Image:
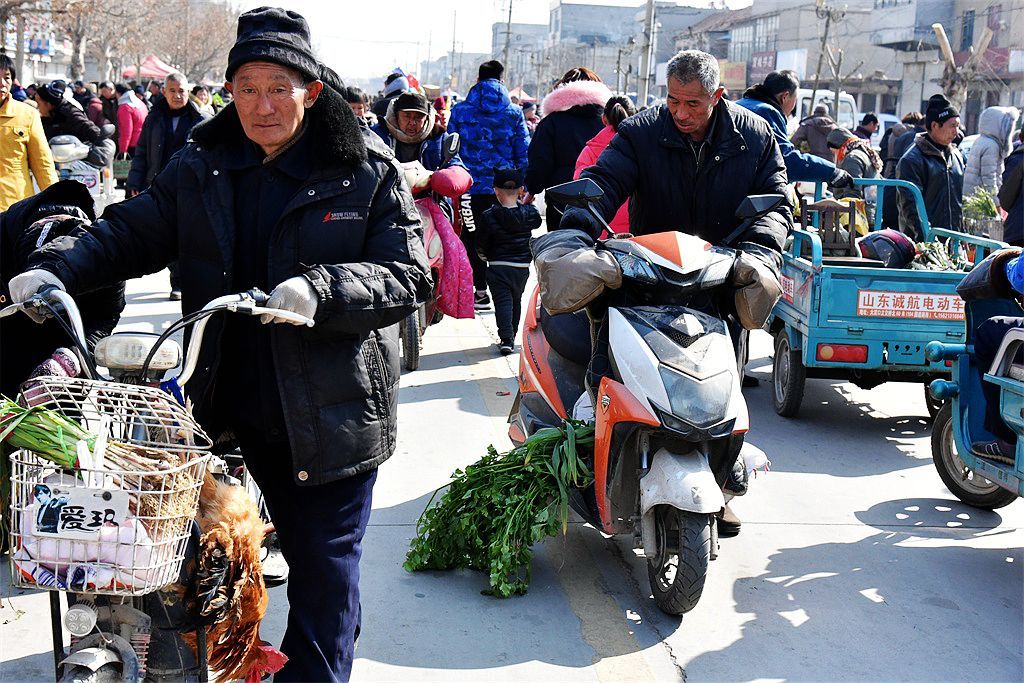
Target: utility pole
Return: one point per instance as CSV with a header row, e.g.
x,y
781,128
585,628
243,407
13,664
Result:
x,y
645,56
955,80
829,14
508,35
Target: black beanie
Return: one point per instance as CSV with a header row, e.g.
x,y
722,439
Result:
x,y
52,92
272,34
939,111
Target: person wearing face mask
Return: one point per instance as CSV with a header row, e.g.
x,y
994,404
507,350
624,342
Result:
x,y
936,166
774,100
410,128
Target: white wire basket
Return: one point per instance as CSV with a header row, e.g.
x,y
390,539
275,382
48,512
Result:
x,y
117,523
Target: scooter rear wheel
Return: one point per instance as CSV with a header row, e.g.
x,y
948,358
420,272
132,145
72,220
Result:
x,y
678,571
965,484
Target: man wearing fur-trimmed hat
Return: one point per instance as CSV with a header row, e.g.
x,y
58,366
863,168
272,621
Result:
x,y
285,191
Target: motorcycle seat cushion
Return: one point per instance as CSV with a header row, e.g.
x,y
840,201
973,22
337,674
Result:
x,y
568,334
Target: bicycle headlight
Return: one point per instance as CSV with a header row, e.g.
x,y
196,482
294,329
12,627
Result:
x,y
129,351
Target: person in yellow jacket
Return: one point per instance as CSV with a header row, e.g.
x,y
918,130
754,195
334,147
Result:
x,y
23,145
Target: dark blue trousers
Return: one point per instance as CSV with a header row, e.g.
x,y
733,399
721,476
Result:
x,y
986,345
320,529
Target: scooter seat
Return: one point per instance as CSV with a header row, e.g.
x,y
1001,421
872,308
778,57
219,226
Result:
x,y
568,334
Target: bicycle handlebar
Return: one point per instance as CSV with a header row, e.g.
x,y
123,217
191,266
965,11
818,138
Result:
x,y
247,303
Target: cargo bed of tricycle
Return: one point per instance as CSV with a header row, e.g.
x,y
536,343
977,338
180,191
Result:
x,y
846,318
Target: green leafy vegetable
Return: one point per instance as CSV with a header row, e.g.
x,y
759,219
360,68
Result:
x,y
981,204
495,510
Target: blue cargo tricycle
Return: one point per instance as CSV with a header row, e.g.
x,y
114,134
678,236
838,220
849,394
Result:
x,y
850,318
975,480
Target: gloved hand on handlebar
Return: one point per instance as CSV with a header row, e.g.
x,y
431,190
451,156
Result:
x,y
295,294
756,278
26,285
841,179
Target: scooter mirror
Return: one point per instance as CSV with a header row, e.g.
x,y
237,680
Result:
x,y
579,193
756,205
452,145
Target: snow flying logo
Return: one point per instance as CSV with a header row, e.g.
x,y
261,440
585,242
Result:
x,y
332,216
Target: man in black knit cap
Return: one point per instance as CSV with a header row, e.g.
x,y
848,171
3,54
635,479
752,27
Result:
x,y
285,191
936,166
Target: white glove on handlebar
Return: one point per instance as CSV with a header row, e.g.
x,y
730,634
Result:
x,y
25,286
295,294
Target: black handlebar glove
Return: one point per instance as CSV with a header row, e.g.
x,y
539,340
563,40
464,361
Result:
x,y
579,219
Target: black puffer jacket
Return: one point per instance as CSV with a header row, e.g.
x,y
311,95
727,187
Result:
x,y
572,115
650,161
23,343
151,154
67,119
352,230
940,175
503,235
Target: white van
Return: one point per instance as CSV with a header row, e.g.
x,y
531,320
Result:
x,y
847,116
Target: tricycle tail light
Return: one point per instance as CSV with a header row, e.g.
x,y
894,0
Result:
x,y
842,353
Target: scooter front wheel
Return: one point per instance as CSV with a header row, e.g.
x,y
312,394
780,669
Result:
x,y
964,483
680,567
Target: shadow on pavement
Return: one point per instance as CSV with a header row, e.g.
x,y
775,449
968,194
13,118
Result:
x,y
829,434
936,612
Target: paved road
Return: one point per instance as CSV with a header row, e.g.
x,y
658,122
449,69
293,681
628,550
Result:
x,y
854,562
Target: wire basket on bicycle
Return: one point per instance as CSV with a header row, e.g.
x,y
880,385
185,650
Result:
x,y
105,485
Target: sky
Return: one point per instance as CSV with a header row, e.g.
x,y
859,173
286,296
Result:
x,y
362,38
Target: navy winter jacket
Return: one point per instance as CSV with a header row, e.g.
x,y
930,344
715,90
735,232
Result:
x,y
940,175
493,131
800,167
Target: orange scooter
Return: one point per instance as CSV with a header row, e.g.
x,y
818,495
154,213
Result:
x,y
670,419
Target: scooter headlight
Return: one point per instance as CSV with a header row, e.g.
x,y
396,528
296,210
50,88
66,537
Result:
x,y
702,403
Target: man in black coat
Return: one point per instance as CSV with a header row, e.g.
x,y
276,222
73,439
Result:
x,y
283,190
164,132
61,117
935,165
687,165
23,229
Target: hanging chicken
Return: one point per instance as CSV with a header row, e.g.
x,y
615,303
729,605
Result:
x,y
227,591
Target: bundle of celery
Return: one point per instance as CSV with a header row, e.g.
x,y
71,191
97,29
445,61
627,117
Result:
x,y
501,505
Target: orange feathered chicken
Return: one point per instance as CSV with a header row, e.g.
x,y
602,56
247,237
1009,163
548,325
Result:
x,y
227,591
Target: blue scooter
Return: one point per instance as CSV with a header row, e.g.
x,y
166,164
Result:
x,y
977,481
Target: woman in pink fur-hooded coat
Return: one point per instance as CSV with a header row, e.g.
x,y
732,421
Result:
x,y
572,116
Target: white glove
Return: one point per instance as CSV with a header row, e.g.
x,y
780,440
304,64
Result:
x,y
295,294
416,175
25,286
